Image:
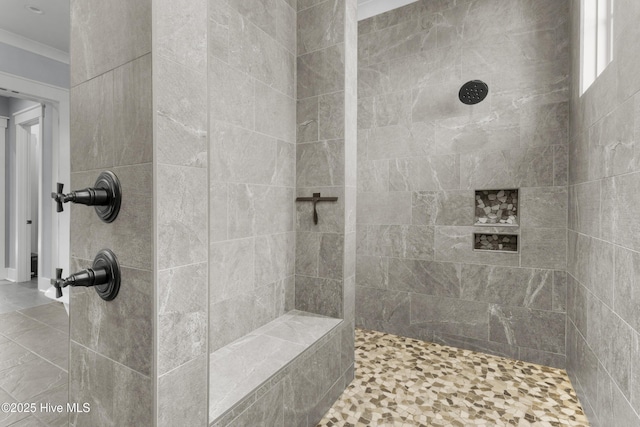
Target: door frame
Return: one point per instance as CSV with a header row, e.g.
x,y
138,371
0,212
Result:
x,y
23,120
58,98
4,121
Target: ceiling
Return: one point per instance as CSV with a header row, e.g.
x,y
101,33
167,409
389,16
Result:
x,y
50,28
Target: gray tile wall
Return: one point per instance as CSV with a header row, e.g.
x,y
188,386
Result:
x,y
421,153
603,327
326,150
111,349
251,75
181,211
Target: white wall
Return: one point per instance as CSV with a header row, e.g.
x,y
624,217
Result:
x,y
29,65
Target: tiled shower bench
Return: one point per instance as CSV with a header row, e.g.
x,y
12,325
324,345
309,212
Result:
x,y
246,372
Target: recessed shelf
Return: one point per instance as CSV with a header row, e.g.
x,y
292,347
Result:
x,y
496,208
495,242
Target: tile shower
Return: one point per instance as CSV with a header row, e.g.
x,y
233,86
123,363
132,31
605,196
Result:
x,y
440,181
216,115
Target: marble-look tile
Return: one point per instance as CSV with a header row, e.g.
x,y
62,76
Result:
x,y
307,119
372,271
240,155
232,96
321,26
218,203
109,388
424,173
241,367
52,314
267,410
231,319
181,114
626,292
331,256
373,78
424,207
543,207
373,176
401,241
320,296
12,354
126,25
31,378
261,12
182,316
384,208
321,71
455,208
561,165
275,113
92,320
286,20
450,316
559,303
619,223
544,358
425,277
258,210
285,174
455,244
274,258
543,248
218,31
584,208
320,164
526,327
182,394
15,323
300,327
132,110
182,216
391,109
48,343
181,31
263,58
92,132
527,167
331,116
414,140
307,253
405,38
508,286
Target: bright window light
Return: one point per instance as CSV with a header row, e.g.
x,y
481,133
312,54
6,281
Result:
x,y
596,39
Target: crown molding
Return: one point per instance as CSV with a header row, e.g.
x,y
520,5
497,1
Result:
x,y
33,46
370,8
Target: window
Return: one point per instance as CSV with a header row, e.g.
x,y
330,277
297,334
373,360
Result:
x,y
596,39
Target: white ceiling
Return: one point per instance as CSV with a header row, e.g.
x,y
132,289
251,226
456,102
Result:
x,y
50,29
369,8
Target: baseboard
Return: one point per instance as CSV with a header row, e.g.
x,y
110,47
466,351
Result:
x,y
43,284
12,274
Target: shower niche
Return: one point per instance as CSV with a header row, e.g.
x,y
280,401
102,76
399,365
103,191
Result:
x,y
495,242
496,208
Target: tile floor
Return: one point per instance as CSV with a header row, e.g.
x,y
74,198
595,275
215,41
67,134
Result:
x,y
34,351
16,296
404,382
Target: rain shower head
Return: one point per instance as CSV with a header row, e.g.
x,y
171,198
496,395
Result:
x,y
473,92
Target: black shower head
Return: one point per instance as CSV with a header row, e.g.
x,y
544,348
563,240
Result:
x,y
473,92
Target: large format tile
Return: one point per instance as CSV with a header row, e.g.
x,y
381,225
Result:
x,y
31,378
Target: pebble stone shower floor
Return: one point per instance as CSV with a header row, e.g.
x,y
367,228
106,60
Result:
x,y
404,382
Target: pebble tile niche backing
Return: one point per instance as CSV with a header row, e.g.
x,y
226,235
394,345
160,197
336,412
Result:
x,y
495,242
496,207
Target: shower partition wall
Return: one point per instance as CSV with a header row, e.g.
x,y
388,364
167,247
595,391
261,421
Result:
x,y
200,126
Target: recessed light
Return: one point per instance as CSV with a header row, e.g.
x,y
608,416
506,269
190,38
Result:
x,y
35,10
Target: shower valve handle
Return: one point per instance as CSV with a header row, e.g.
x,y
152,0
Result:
x,y
105,195
104,276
